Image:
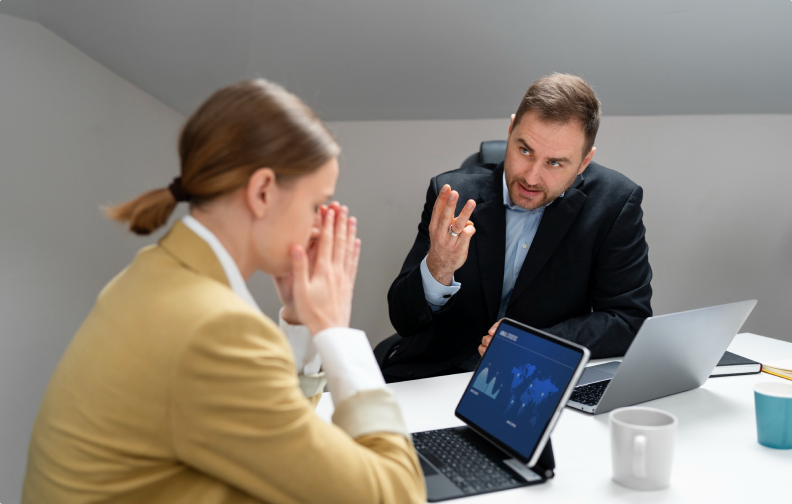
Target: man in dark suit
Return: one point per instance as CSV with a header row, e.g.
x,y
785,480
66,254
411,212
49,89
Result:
x,y
558,244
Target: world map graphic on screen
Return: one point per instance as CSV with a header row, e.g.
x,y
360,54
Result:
x,y
529,393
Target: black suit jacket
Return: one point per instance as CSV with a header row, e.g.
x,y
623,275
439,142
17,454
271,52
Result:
x,y
586,277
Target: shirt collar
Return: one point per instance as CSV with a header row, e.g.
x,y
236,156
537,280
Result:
x,y
507,201
230,267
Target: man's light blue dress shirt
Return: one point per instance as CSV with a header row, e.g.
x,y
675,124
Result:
x,y
521,226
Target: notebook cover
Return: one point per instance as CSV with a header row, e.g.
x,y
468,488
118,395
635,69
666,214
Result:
x,y
730,359
732,364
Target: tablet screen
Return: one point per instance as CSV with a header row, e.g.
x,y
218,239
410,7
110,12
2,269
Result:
x,y
517,387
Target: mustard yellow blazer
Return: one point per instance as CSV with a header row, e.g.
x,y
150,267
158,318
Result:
x,y
175,390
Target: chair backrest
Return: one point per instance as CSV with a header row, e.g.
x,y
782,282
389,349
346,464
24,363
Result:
x,y
491,152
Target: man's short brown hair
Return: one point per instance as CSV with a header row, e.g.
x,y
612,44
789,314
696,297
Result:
x,y
562,98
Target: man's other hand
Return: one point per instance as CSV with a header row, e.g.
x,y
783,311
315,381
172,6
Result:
x,y
485,341
447,253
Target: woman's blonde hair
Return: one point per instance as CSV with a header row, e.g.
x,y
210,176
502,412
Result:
x,y
239,129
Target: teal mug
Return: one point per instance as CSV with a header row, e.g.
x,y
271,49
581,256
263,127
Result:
x,y
774,414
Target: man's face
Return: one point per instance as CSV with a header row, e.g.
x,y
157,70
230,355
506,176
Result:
x,y
543,159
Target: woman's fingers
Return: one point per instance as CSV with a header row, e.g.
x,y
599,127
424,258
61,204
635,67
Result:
x,y
313,247
323,286
340,237
351,244
324,252
355,261
299,273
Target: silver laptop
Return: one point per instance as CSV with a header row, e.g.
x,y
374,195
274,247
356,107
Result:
x,y
670,354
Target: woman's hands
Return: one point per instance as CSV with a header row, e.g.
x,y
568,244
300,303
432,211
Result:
x,y
284,285
323,277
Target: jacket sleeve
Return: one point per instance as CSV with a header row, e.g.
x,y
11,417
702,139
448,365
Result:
x,y
620,287
409,311
237,414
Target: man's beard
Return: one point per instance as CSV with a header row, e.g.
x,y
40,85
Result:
x,y
520,201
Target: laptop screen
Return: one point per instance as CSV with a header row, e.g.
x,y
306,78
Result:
x,y
517,387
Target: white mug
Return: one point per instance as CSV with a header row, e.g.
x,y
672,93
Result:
x,y
642,447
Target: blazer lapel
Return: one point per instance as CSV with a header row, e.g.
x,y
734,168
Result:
x,y
556,221
191,251
490,219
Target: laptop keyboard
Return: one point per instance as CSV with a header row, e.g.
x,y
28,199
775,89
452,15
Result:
x,y
461,462
590,394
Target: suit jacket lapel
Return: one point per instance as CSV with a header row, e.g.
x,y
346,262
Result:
x,y
556,221
490,238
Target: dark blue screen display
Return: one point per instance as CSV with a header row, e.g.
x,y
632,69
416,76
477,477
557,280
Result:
x,y
517,387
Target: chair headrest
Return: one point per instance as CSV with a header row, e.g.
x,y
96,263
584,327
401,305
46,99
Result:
x,y
492,152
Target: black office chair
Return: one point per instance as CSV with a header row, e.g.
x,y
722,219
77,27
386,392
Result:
x,y
491,153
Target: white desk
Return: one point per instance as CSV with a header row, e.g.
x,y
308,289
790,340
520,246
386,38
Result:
x,y
716,459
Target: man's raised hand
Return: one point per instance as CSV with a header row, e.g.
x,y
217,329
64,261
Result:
x,y
449,236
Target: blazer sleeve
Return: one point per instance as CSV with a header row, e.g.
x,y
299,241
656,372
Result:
x,y
237,414
409,311
620,287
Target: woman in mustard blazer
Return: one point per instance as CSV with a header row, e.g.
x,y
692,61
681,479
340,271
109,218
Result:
x,y
177,388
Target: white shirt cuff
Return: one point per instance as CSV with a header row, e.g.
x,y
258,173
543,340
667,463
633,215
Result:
x,y
436,293
349,363
306,355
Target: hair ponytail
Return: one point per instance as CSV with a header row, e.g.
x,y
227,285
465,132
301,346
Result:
x,y
239,129
146,213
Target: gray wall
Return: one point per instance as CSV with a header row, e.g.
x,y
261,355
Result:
x,y
73,135
719,223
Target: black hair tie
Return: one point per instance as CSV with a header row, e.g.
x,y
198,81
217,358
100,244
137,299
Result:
x,y
177,190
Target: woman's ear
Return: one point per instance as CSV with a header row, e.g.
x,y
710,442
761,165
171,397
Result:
x,y
259,191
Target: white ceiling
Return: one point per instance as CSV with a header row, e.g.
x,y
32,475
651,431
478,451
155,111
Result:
x,y
441,59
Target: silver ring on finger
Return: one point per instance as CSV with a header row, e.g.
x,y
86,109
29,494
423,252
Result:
x,y
451,230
